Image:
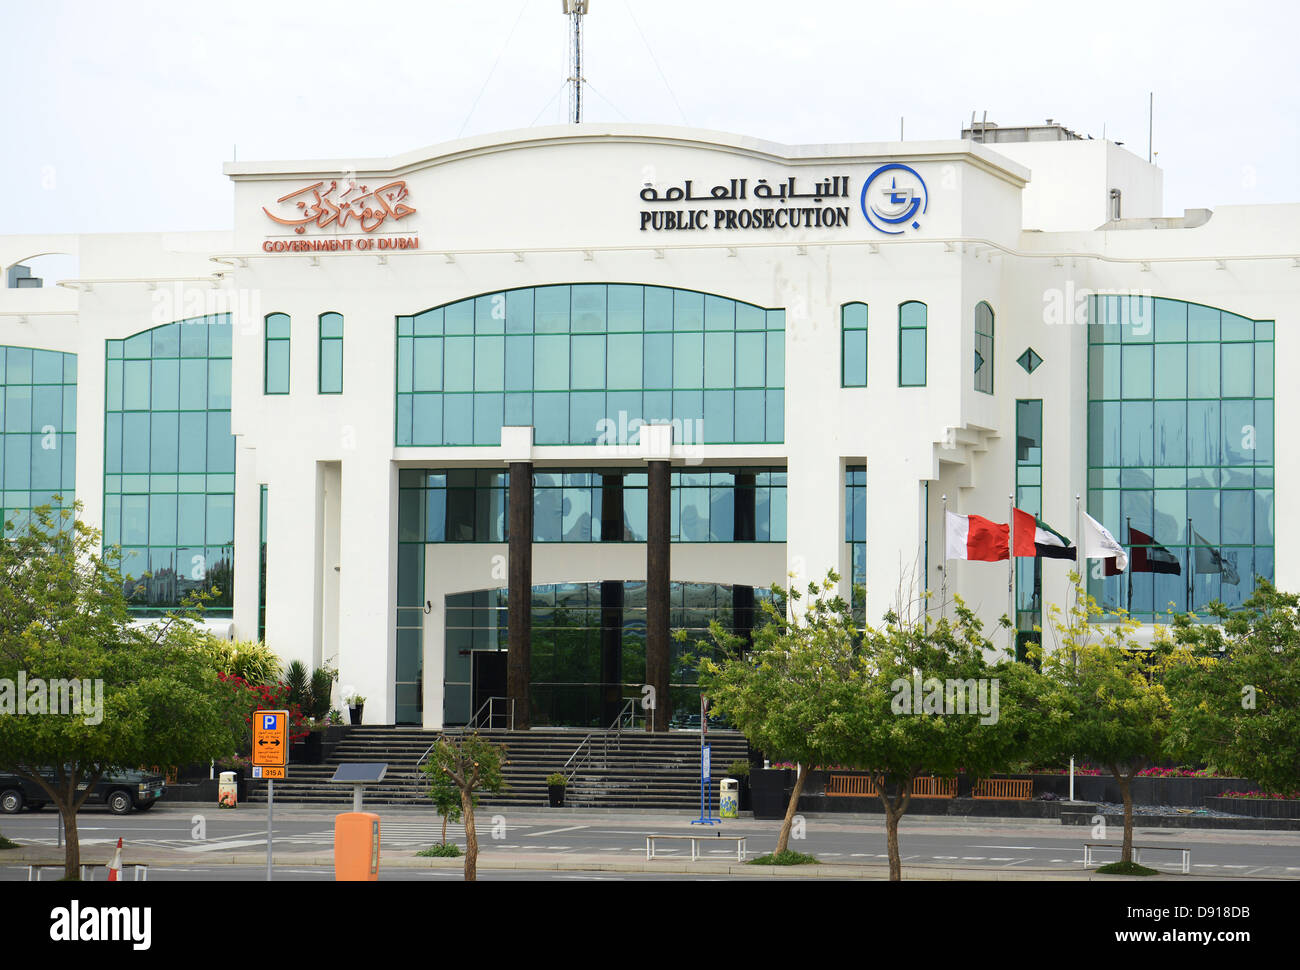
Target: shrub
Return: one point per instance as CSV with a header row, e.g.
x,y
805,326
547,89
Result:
x,y
441,850
786,858
555,778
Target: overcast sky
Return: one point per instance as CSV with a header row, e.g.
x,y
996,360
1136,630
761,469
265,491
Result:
x,y
119,114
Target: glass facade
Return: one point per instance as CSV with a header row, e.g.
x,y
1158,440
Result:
x,y
1180,451
853,345
330,354
580,363
855,534
169,462
38,423
588,505
911,344
983,347
569,663
275,362
1029,498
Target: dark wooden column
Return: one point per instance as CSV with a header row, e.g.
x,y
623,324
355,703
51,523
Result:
x,y
658,552
611,650
519,619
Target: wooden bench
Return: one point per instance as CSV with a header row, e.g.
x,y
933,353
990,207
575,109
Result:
x,y
844,786
695,841
1088,848
1012,789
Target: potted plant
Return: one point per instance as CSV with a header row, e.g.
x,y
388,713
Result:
x,y
356,704
555,785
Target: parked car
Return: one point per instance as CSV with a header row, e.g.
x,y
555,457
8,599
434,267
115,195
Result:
x,y
121,791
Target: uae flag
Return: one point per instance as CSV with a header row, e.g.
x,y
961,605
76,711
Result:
x,y
1034,537
975,537
1208,560
1148,556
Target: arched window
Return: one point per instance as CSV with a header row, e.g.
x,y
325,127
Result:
x,y
853,345
330,354
275,359
590,363
983,347
911,344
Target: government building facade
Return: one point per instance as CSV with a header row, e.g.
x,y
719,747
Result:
x,y
493,419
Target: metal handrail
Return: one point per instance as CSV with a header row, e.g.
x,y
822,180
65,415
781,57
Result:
x,y
490,706
589,744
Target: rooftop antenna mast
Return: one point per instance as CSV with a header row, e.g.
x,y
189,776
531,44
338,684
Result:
x,y
575,10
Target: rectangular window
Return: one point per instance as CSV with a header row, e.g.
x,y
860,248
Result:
x,y
276,359
331,354
853,345
911,344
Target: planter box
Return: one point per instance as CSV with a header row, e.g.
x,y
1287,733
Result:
x,y
1190,792
1256,807
307,751
770,791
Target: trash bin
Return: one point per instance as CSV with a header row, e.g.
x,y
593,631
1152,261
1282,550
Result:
x,y
356,847
729,798
227,790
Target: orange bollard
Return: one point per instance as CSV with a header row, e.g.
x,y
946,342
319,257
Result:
x,y
356,847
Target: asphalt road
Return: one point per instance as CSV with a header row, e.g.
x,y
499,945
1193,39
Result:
x,y
206,833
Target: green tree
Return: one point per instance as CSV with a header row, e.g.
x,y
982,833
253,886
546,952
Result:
x,y
774,692
1109,704
63,616
924,699
445,795
1234,689
472,764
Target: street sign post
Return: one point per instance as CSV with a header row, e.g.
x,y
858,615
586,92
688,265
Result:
x,y
270,760
706,768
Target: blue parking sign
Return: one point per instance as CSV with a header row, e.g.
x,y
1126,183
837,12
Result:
x,y
269,721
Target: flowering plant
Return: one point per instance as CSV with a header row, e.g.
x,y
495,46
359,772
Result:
x,y
1258,794
267,697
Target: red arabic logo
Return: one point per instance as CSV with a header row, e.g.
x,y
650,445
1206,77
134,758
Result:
x,y
324,208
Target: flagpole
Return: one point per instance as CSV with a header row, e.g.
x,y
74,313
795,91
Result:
x,y
943,570
1011,573
1128,529
1080,561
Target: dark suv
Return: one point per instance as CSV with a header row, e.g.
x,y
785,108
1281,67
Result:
x,y
121,791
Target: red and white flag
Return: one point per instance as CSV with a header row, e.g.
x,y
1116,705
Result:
x,y
115,867
975,537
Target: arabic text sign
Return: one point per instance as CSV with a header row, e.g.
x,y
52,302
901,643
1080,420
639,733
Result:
x,y
779,206
344,201
270,739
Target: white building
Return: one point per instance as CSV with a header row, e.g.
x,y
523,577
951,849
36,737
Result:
x,y
840,335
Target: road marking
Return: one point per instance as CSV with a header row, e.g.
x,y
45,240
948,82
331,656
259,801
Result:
x,y
571,828
972,858
216,846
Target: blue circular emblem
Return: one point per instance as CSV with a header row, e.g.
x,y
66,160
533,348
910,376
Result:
x,y
891,204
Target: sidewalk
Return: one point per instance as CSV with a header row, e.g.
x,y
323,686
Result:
x,y
592,862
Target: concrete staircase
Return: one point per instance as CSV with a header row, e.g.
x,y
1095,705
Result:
x,y
631,770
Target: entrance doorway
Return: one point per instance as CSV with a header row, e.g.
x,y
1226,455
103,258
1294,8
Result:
x,y
489,680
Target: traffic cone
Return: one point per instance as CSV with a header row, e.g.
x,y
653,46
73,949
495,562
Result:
x,y
115,867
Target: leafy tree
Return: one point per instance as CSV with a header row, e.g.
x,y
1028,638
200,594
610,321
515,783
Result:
x,y
472,764
252,660
924,699
774,692
1109,703
1234,689
445,795
63,615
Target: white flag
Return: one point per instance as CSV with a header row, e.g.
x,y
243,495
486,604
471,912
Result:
x,y
1097,543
